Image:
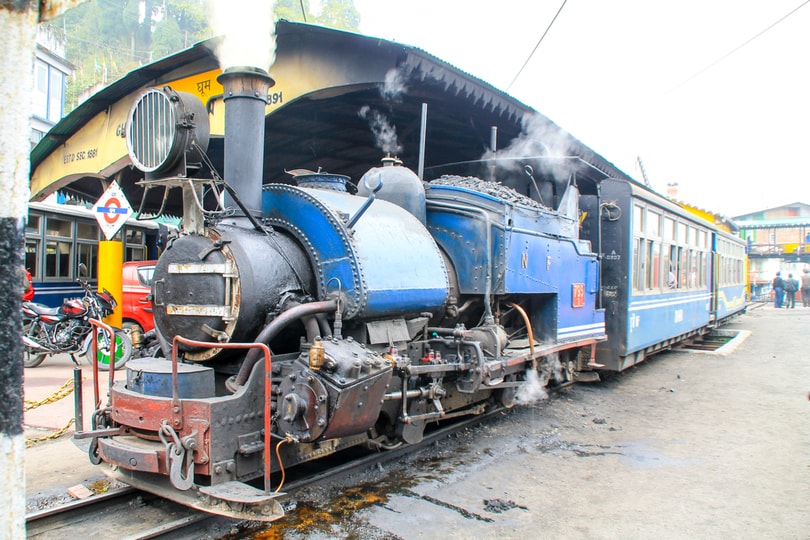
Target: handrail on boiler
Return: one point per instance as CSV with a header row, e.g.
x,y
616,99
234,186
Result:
x,y
268,373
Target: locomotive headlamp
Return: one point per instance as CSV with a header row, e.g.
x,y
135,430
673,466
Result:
x,y
167,131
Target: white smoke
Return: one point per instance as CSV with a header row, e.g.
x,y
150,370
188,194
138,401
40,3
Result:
x,y
248,32
394,86
385,135
533,389
539,137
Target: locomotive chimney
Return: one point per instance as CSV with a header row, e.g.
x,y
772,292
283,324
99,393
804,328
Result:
x,y
245,95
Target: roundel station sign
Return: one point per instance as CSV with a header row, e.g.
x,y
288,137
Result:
x,y
112,210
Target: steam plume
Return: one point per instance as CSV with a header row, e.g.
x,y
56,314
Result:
x,y
248,32
539,137
533,389
394,86
385,134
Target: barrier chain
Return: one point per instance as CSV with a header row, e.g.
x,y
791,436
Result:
x,y
63,391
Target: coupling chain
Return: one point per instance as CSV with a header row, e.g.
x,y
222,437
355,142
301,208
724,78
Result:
x,y
55,435
63,391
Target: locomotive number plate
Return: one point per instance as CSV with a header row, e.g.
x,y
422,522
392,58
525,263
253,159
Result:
x,y
578,295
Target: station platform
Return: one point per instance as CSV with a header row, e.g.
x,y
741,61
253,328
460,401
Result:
x,y
723,435
54,463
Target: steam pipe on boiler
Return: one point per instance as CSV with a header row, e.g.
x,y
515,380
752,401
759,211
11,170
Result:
x,y
422,142
493,146
275,327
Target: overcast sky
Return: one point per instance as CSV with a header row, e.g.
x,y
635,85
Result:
x,y
635,78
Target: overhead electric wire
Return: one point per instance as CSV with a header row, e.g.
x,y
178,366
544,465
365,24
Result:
x,y
738,47
538,44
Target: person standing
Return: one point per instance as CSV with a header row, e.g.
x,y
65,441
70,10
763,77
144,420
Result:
x,y
28,286
778,286
791,288
805,287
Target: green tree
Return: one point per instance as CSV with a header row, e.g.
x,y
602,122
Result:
x,y
339,14
167,38
108,38
291,10
181,23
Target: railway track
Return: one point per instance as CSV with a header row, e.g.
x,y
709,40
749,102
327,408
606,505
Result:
x,y
134,515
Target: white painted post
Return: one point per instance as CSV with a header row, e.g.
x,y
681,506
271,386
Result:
x,y
18,24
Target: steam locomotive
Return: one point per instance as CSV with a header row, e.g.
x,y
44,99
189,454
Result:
x,y
300,319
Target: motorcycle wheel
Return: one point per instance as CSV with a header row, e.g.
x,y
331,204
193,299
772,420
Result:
x,y
31,357
123,350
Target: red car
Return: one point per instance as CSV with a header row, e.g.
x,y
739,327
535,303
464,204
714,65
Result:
x,y
137,289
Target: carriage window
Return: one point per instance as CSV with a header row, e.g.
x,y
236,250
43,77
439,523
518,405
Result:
x,y
692,264
32,227
87,253
638,264
672,278
681,233
57,259
653,265
638,219
32,256
58,227
86,231
653,224
703,269
669,229
58,251
135,245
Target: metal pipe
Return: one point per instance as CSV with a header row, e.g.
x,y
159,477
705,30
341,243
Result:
x,y
368,201
408,394
106,328
528,324
277,325
323,324
78,408
422,142
493,147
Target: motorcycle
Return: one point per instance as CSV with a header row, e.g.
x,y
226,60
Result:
x,y
67,330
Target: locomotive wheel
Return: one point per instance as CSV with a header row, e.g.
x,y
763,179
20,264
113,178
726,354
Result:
x,y
123,351
31,357
506,396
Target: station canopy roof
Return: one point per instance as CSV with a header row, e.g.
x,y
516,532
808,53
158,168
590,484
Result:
x,y
324,80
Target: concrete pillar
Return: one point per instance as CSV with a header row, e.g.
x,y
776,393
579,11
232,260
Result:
x,y
18,26
18,22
